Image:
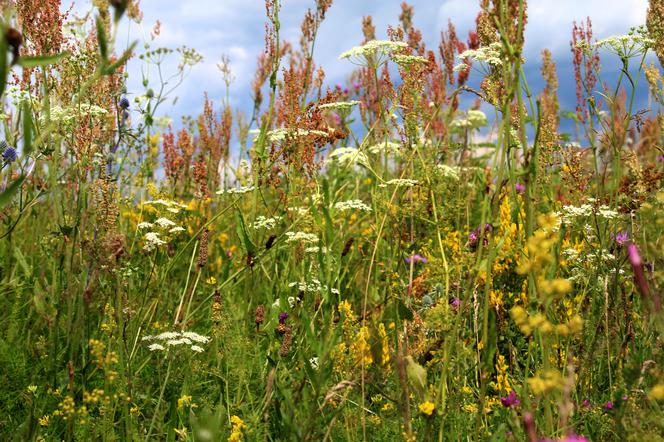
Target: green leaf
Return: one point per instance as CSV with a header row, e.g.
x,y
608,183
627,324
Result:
x,y
27,129
8,193
3,64
102,41
244,235
120,61
41,60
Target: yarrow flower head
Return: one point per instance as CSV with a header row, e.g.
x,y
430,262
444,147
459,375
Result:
x,y
176,338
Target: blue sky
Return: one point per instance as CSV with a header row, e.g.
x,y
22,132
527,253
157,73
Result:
x,y
236,28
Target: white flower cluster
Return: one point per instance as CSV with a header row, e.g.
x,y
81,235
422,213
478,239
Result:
x,y
305,237
171,206
485,54
625,43
407,60
74,113
278,135
348,156
265,223
388,146
299,211
152,239
239,190
448,172
340,105
315,249
474,120
399,182
314,286
352,204
570,213
172,339
373,47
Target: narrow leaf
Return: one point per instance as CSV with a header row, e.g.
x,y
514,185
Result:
x,y
41,60
8,193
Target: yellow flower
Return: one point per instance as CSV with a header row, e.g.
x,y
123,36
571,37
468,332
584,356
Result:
x,y
43,421
657,392
427,408
211,280
184,400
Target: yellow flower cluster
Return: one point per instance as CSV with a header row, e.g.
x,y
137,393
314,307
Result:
x,y
537,255
529,323
427,408
385,344
237,425
502,377
546,382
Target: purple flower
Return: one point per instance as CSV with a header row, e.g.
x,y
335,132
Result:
x,y
620,238
660,158
282,317
585,403
124,103
455,302
510,400
608,406
625,398
339,86
650,267
474,236
356,86
520,188
9,155
415,259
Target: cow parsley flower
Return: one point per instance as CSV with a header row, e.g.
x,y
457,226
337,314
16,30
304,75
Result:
x,y
340,105
352,204
475,119
240,190
348,156
485,54
399,182
145,225
265,223
302,236
407,60
374,48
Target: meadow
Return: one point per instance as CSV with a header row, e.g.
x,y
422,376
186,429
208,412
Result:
x,y
432,251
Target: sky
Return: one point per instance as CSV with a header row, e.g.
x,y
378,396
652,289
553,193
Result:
x,y
236,28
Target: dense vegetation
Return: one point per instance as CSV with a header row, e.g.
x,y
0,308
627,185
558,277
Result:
x,y
422,253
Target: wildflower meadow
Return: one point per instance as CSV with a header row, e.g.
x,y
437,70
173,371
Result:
x,y
435,249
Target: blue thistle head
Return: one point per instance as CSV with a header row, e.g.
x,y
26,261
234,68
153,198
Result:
x,y
9,155
124,103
